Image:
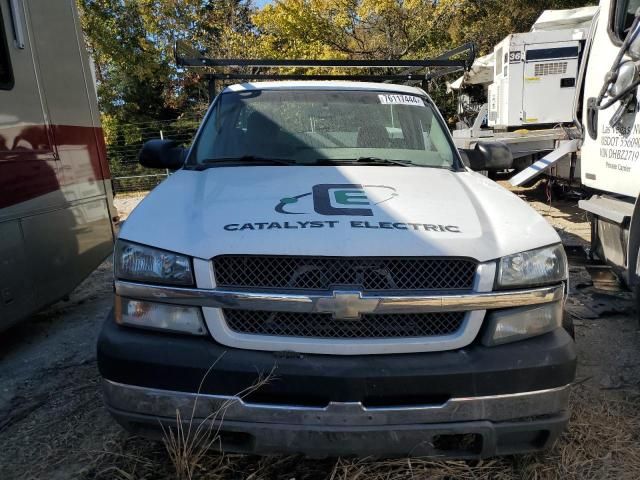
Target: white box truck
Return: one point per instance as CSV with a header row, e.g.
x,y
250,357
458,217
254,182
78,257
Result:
x,y
598,145
610,148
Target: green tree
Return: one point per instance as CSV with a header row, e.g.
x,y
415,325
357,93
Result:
x,y
132,75
131,42
393,29
486,22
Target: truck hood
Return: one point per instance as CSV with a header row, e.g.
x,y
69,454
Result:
x,y
336,211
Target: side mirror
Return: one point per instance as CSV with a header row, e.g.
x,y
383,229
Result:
x,y
490,156
626,77
162,154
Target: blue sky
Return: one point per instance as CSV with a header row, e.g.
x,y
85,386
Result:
x,y
261,3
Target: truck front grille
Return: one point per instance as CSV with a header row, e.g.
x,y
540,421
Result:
x,y
320,325
322,273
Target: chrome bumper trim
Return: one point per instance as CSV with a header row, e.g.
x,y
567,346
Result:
x,y
165,403
343,304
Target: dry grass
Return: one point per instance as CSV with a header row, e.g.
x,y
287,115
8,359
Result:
x,y
603,442
187,445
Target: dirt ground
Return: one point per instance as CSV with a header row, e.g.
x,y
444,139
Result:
x,y
53,424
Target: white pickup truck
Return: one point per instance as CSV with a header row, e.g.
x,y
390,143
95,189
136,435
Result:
x,y
331,233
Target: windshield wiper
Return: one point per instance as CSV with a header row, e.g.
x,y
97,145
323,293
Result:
x,y
320,161
249,159
403,163
374,160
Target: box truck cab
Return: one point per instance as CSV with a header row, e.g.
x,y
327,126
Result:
x,y
610,152
330,233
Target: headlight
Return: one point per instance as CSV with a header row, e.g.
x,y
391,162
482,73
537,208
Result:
x,y
146,264
159,316
512,324
534,267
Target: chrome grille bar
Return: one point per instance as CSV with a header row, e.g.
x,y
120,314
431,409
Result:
x,y
341,304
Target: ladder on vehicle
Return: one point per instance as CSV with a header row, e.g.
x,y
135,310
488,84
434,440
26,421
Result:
x,y
422,71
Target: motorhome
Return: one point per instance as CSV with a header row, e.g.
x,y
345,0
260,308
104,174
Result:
x,y
56,207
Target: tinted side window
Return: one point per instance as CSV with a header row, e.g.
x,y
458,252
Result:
x,y
6,73
623,15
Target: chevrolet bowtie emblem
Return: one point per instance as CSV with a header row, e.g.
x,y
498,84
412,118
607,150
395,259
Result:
x,y
347,305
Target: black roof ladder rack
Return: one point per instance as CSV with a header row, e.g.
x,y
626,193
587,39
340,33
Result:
x,y
413,70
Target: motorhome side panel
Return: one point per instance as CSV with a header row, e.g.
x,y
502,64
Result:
x,y
54,204
68,88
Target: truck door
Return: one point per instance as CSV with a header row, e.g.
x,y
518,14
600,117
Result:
x,y
610,154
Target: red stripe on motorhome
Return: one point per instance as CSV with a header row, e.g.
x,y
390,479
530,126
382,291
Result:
x,y
30,167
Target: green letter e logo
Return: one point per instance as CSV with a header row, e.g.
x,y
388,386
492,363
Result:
x,y
351,197
344,194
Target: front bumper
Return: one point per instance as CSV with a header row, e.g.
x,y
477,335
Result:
x,y
475,427
463,403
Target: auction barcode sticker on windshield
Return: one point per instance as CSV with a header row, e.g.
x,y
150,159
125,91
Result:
x,y
397,99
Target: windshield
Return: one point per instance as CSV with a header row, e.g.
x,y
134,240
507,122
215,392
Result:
x,y
323,126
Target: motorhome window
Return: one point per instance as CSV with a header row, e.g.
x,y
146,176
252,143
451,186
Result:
x,y
624,14
6,73
307,126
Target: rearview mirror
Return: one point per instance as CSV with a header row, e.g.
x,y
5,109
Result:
x,y
162,154
490,156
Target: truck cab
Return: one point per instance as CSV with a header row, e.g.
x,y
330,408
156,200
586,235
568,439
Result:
x,y
610,151
328,235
